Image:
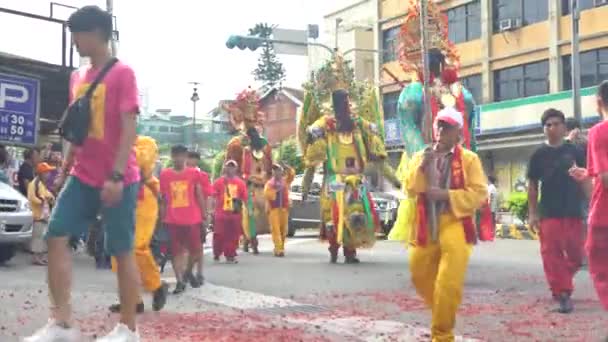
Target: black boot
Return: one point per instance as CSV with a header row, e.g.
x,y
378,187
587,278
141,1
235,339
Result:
x,y
246,246
333,256
565,304
351,259
179,288
254,245
160,297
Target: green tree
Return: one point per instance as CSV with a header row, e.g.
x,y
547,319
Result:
x,y
287,152
270,70
517,203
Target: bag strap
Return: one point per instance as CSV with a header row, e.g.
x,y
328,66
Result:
x,y
100,77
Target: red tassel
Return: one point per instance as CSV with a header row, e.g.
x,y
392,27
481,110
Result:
x,y
422,224
246,169
375,216
461,107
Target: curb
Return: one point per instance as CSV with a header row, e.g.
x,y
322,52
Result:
x,y
515,232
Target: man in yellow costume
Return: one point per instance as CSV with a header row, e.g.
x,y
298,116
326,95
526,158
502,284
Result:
x,y
146,216
276,192
340,128
253,154
448,180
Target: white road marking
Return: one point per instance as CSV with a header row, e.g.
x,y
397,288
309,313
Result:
x,y
359,328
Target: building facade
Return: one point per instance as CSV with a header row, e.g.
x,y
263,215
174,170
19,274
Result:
x,y
281,108
350,27
515,59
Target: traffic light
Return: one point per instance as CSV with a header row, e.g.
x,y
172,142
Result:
x,y
244,42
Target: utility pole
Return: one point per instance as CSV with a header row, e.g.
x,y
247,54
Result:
x,y
110,9
575,63
194,98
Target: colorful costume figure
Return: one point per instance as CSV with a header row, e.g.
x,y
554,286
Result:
x,y
254,156
345,140
146,216
277,206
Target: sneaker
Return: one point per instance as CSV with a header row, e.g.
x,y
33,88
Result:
x,y
159,298
115,308
121,333
195,282
232,261
179,288
52,332
565,304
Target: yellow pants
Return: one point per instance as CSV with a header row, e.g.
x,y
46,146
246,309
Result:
x,y
278,219
438,272
148,269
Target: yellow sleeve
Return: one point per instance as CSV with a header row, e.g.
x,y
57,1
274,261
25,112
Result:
x,y
269,192
31,193
414,179
465,202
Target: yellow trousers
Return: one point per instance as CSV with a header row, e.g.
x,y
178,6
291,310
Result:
x,y
438,272
148,269
278,219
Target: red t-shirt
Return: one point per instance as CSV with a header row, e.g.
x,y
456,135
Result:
x,y
178,191
226,188
597,163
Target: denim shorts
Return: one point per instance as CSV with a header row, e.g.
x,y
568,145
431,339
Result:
x,y
77,207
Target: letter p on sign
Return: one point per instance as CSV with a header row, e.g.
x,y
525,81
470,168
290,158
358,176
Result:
x,y
12,93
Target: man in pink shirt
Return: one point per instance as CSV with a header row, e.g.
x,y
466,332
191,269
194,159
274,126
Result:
x,y
595,177
103,177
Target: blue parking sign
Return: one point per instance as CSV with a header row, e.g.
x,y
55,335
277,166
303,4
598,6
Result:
x,y
19,109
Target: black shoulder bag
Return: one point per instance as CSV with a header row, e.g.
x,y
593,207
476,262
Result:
x,y
74,125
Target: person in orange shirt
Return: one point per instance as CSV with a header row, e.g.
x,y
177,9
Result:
x,y
276,193
41,201
230,195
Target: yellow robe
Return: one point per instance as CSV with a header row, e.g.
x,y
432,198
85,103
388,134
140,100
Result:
x,y
278,217
438,269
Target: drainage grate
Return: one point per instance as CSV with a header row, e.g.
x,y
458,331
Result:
x,y
295,309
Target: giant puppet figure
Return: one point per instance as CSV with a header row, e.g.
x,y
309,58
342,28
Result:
x,y
254,157
340,130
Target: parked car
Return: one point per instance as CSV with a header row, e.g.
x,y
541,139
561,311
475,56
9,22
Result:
x,y
15,221
306,214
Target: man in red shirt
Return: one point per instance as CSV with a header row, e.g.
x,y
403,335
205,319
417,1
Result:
x,y
230,195
181,211
595,178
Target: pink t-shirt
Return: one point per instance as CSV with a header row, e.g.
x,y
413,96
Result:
x,y
597,163
117,94
178,191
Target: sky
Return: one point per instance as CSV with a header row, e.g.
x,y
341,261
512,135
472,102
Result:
x,y
171,43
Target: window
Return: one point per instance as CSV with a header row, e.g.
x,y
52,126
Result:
x,y
528,11
594,68
464,22
473,84
389,103
521,81
390,43
582,5
163,129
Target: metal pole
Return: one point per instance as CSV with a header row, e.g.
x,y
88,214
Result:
x,y
194,99
427,119
110,9
575,61
338,22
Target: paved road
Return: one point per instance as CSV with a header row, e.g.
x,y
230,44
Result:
x,y
304,298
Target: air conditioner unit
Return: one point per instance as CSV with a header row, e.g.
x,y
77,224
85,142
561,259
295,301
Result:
x,y
510,24
598,3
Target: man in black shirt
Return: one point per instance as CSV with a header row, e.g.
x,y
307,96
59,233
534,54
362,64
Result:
x,y
31,157
559,213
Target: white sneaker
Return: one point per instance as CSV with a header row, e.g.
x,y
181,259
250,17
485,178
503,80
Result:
x,y
52,332
121,333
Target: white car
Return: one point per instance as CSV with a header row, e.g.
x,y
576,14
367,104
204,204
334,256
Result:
x,y
16,221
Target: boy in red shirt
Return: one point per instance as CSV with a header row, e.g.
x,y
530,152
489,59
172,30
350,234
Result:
x,y
194,159
595,179
230,195
181,211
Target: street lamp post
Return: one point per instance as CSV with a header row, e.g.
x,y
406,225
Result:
x,y
194,98
575,62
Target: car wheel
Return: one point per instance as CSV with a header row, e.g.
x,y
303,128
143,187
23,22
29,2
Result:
x,y
7,252
291,229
